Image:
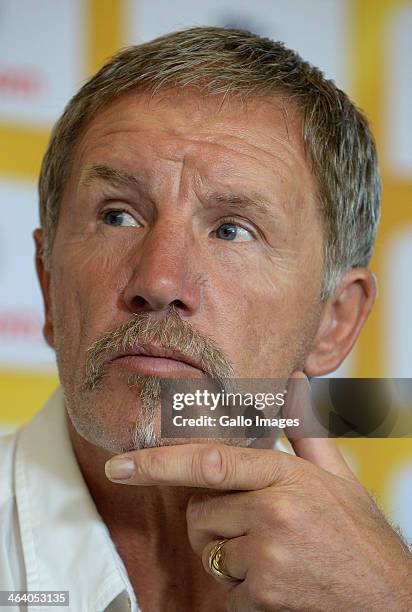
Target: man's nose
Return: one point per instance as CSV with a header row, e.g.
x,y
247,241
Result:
x,y
166,273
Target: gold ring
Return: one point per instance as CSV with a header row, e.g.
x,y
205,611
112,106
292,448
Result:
x,y
215,560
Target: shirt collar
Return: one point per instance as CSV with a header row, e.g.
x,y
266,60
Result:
x,y
66,544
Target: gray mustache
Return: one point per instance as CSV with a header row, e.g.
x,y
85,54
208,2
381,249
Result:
x,y
170,332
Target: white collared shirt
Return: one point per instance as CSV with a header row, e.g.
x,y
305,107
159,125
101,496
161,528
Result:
x,y
52,537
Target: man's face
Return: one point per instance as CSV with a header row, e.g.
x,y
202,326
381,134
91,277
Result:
x,y
212,212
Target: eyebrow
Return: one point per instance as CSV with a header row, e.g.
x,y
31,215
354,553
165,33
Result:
x,y
113,176
242,202
236,201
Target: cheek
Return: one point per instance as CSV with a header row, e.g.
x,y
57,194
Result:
x,y
95,263
272,326
86,283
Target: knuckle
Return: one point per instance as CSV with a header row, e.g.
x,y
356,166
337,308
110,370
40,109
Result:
x,y
197,509
259,595
269,555
287,514
152,465
212,466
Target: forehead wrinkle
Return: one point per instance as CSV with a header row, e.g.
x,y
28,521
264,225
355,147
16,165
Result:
x,y
183,143
113,176
279,162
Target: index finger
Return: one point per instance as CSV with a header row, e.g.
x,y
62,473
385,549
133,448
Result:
x,y
212,466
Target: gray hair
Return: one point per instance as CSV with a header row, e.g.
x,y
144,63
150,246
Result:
x,y
231,62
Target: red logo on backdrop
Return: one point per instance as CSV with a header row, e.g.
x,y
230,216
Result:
x,y
21,325
20,81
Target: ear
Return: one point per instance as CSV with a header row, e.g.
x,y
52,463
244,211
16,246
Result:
x,y
44,280
342,318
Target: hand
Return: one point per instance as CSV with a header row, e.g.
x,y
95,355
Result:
x,y
303,532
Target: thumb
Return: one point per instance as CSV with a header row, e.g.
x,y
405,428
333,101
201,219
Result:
x,y
310,441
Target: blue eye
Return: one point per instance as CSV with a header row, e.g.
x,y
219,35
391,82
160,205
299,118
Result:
x,y
232,231
115,217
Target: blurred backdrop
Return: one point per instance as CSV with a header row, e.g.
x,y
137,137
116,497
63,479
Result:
x,y
49,48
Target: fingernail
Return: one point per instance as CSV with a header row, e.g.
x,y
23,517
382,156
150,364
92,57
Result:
x,y
119,468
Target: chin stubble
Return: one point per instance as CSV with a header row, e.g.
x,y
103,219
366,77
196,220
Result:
x,y
170,332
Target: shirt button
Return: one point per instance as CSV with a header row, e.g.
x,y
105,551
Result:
x,y
129,603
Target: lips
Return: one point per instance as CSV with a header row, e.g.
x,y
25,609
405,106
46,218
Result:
x,y
151,359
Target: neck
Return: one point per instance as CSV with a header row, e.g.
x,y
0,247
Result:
x,y
148,526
